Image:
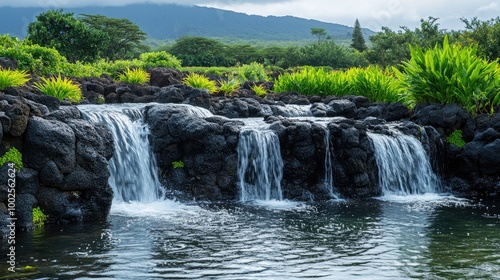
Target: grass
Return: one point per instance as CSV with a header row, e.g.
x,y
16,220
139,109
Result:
x,y
228,87
134,76
12,78
60,88
259,90
200,81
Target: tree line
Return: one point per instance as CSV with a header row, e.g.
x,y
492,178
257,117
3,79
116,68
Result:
x,y
88,38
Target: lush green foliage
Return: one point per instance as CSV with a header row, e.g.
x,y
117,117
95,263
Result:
x,y
200,81
456,139
228,87
160,59
486,34
135,76
253,72
60,88
177,164
14,156
358,41
39,217
451,74
199,51
123,37
12,78
259,90
71,37
374,83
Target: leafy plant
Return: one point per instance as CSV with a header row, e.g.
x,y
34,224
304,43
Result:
x,y
160,59
456,139
39,218
374,83
253,72
228,87
314,81
135,76
12,78
177,164
12,155
115,68
34,58
60,88
259,90
200,81
451,74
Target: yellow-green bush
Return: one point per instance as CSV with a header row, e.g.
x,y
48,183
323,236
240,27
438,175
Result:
x,y
200,81
160,59
374,83
39,218
259,90
12,155
60,88
228,87
253,72
135,76
12,78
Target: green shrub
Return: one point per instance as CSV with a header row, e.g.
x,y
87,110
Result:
x,y
228,87
374,83
253,72
117,67
80,70
177,164
39,217
160,59
13,156
314,81
200,81
135,76
259,90
35,59
12,78
451,74
456,139
60,88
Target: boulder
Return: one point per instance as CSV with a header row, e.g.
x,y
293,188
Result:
x,y
162,77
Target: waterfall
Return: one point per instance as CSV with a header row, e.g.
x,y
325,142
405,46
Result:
x,y
328,180
133,165
403,165
260,167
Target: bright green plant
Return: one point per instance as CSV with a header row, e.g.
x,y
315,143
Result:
x,y
314,81
456,139
177,164
135,76
160,59
200,81
36,59
228,87
374,83
12,78
39,218
115,68
259,90
60,88
253,72
451,74
14,156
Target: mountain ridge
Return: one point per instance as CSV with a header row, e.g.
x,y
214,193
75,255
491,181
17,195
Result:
x,y
171,21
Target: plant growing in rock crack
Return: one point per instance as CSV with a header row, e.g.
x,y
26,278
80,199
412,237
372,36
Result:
x,y
60,88
39,217
12,155
456,138
177,164
200,81
259,90
228,87
134,76
12,78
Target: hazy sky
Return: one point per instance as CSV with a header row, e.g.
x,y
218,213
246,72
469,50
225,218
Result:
x,y
372,14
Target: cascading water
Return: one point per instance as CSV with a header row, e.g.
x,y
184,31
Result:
x,y
260,167
328,180
133,165
403,165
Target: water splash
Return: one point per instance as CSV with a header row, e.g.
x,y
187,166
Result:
x,y
260,167
133,166
403,165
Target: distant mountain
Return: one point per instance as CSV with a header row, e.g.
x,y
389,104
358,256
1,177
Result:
x,y
170,21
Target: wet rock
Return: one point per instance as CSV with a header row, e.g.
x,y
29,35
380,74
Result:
x,y
162,77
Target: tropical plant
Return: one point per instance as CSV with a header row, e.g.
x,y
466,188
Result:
x,y
178,164
36,59
39,217
12,78
451,74
160,59
200,81
135,76
253,72
374,83
456,138
14,156
60,88
117,67
259,90
228,87
314,81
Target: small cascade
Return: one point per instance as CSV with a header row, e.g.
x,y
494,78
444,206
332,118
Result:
x,y
403,165
328,180
260,167
133,165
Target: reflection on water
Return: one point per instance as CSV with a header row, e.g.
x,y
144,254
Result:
x,y
426,238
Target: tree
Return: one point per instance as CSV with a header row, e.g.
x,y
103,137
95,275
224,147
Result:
x,y
199,51
486,34
358,41
125,37
320,33
72,38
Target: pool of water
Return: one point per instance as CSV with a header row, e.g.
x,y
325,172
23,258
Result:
x,y
421,237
